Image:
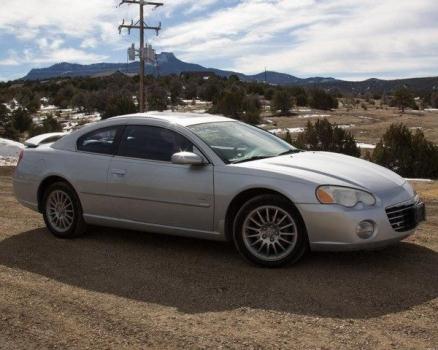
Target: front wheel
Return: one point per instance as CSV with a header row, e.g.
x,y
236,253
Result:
x,y
62,211
268,231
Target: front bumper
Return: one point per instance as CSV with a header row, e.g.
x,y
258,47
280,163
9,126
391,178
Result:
x,y
333,227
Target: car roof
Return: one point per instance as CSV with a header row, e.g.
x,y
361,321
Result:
x,y
183,119
68,142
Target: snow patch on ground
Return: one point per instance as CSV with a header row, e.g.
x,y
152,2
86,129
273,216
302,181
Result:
x,y
365,145
346,126
295,130
283,131
276,131
8,161
420,180
364,117
305,116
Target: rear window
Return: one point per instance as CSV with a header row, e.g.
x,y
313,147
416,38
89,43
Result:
x,y
102,141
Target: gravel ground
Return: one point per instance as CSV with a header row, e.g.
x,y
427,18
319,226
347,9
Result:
x,y
117,289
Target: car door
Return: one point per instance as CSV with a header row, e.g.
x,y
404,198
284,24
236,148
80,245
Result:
x,y
147,187
89,168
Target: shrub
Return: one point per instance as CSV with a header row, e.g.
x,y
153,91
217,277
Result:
x,y
324,136
7,129
251,109
408,154
299,95
157,98
50,124
230,103
281,101
21,120
434,99
119,105
319,99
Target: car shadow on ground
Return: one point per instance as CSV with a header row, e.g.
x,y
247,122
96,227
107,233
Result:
x,y
201,276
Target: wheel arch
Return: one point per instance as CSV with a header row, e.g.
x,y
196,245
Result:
x,y
49,180
246,195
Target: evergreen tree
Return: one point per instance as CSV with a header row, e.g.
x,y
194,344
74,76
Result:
x,y
157,98
251,109
7,129
230,103
210,91
175,90
319,99
323,136
299,95
118,105
409,155
281,101
434,99
191,90
403,99
21,120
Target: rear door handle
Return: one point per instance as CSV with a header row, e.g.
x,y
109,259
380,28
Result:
x,y
118,172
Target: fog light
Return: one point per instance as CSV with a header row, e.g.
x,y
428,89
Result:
x,y
365,229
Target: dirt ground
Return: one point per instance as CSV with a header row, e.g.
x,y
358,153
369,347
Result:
x,y
115,289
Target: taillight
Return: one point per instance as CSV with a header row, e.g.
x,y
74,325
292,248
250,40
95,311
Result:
x,y
20,157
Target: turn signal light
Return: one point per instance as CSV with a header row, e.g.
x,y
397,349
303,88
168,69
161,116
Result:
x,y
324,197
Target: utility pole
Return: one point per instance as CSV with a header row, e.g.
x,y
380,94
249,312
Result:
x,y
141,26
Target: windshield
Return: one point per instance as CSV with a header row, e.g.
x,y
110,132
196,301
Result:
x,y
236,142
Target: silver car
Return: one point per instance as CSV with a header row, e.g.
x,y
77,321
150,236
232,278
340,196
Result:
x,y
212,177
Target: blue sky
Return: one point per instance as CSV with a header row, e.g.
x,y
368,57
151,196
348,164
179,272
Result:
x,y
346,39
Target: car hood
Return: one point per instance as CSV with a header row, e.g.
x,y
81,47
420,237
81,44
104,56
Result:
x,y
335,169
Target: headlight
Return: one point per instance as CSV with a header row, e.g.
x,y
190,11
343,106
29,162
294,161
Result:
x,y
348,197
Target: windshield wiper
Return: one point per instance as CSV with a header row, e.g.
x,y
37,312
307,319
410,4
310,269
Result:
x,y
251,158
291,151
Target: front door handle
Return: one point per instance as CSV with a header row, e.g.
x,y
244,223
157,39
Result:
x,y
118,172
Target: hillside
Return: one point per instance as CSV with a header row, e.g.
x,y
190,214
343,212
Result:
x,y
168,64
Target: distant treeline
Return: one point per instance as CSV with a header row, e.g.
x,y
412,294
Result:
x,y
400,150
112,95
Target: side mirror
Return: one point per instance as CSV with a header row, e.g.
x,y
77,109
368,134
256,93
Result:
x,y
187,158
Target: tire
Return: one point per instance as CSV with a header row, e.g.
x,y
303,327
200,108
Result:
x,y
62,211
274,238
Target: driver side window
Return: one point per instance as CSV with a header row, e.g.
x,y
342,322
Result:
x,y
153,143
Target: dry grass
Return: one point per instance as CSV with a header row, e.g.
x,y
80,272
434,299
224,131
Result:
x,y
371,124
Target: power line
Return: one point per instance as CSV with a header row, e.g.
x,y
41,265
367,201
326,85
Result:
x,y
141,26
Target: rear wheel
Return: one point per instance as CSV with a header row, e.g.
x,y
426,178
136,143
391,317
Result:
x,y
62,211
268,231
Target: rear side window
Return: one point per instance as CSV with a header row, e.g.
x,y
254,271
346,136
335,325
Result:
x,y
151,142
101,141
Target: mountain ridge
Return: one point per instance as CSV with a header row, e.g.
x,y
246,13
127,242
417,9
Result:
x,y
168,64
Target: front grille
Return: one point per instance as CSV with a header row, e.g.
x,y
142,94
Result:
x,y
402,217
